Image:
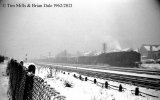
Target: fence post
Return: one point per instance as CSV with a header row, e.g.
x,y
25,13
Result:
x,y
21,62
120,88
85,78
29,82
106,85
31,69
80,77
136,91
28,86
95,81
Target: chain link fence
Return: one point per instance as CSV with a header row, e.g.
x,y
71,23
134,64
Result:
x,y
24,85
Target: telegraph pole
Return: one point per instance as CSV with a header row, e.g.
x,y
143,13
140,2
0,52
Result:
x,y
26,57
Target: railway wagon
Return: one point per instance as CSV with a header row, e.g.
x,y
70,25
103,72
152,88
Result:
x,y
119,59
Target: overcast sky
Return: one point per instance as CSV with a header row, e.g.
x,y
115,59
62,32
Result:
x,y
84,27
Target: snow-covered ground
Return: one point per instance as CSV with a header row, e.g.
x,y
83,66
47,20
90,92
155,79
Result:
x,y
151,66
87,90
3,81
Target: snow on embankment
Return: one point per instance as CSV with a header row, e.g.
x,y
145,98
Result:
x,y
3,81
87,90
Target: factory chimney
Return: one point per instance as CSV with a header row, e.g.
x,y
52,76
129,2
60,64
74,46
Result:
x,y
104,47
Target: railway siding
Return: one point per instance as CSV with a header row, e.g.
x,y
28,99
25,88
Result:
x,y
152,82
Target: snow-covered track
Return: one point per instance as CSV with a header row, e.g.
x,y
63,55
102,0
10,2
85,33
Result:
x,y
122,69
130,77
151,83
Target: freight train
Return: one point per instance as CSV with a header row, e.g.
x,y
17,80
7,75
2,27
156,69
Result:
x,y
119,59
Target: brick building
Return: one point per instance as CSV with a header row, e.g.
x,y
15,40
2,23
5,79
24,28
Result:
x,y
148,51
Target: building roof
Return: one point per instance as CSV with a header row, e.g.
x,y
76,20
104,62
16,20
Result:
x,y
147,48
154,47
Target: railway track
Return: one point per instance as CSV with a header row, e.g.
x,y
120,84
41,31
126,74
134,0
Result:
x,y
123,69
151,83
112,68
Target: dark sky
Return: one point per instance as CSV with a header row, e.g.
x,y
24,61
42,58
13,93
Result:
x,y
84,27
